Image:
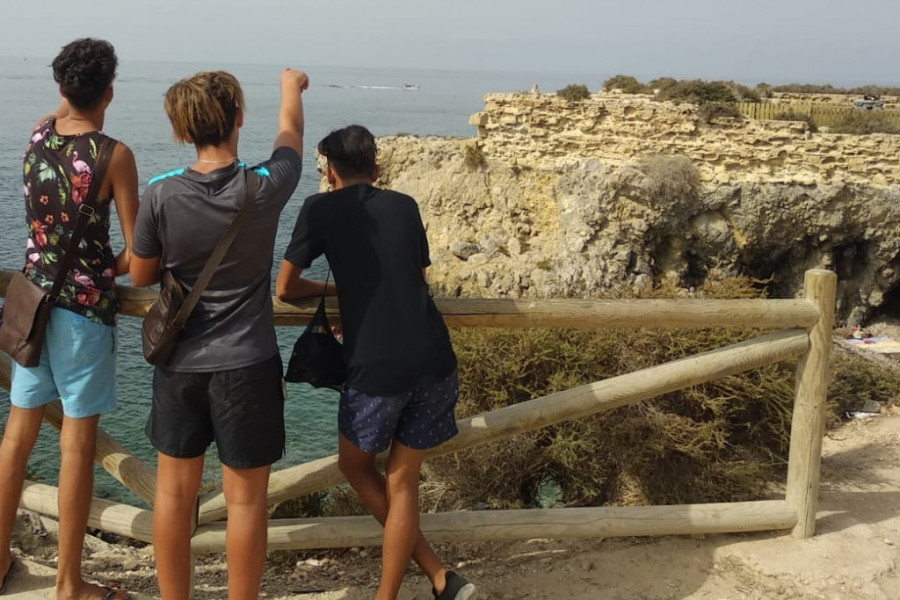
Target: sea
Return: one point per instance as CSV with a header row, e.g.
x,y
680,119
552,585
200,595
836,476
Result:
x,y
387,101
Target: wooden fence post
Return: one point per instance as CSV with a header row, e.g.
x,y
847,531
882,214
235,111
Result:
x,y
808,423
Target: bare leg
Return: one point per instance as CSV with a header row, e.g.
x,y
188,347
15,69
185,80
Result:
x,y
177,485
401,528
77,446
360,469
246,531
22,428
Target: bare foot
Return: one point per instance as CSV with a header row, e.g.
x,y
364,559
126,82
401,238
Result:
x,y
89,591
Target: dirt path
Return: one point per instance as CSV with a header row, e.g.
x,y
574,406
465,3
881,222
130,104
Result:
x,y
854,556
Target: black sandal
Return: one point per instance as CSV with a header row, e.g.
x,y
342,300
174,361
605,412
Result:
x,y
110,592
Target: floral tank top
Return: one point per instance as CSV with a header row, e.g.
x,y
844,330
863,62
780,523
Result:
x,y
57,175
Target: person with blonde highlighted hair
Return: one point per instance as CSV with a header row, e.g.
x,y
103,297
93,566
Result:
x,y
223,382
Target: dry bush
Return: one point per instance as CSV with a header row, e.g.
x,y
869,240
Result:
x,y
697,91
473,157
827,88
669,178
718,110
626,84
863,122
725,440
707,443
855,381
574,92
661,83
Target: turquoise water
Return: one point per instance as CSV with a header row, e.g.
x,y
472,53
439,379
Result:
x,y
440,105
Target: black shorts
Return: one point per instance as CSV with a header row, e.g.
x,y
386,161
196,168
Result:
x,y
242,410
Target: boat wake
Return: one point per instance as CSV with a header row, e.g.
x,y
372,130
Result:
x,y
408,87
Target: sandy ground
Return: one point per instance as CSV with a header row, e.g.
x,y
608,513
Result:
x,y
854,555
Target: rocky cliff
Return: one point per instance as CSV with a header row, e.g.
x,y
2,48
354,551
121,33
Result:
x,y
559,199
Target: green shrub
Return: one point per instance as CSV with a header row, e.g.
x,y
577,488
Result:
x,y
862,122
808,88
574,92
827,88
697,91
625,84
661,83
718,110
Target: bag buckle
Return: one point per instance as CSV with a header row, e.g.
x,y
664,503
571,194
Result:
x,y
86,210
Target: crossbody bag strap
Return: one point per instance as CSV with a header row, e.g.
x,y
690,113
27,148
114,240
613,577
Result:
x,y
325,287
85,211
219,252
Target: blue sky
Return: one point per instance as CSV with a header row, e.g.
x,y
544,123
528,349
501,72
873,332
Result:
x,y
845,42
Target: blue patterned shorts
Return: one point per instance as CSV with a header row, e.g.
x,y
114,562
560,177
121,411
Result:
x,y
420,419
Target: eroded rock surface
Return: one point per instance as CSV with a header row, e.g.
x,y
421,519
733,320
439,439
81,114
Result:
x,y
563,200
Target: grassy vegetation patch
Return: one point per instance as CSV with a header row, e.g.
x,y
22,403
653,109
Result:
x,y
863,122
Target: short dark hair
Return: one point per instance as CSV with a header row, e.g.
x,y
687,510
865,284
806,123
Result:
x,y
350,151
84,70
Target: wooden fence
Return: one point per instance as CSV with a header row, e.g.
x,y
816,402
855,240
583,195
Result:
x,y
802,329
823,115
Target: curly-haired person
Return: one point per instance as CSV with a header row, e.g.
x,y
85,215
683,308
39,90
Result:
x,y
78,359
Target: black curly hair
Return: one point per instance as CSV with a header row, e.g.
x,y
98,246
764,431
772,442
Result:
x,y
84,70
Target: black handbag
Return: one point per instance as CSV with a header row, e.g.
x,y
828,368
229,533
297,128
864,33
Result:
x,y
26,310
170,312
318,357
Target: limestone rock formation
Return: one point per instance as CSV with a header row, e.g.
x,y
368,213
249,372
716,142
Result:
x,y
577,206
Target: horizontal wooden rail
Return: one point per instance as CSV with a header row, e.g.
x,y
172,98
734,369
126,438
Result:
x,y
488,525
507,312
120,519
534,414
124,466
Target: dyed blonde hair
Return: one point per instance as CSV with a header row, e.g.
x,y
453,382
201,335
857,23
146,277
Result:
x,y
203,108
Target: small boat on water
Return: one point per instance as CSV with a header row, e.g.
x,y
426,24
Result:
x,y
410,87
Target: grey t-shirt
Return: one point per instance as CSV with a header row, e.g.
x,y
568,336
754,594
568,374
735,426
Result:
x,y
182,216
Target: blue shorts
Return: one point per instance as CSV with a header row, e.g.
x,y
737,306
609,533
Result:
x,y
78,365
421,418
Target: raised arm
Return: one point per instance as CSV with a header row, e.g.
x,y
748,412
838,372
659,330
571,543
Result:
x,y
290,116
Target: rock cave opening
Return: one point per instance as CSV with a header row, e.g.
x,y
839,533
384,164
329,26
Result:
x,y
889,309
849,258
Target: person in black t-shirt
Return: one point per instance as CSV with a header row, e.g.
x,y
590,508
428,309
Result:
x,y
402,385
